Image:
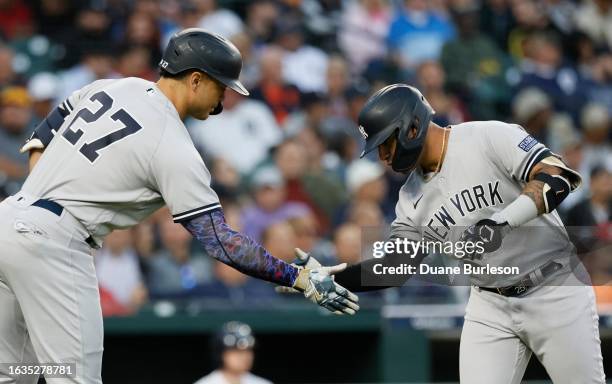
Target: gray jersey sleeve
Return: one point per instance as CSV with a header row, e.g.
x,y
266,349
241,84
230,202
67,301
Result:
x,y
511,147
181,177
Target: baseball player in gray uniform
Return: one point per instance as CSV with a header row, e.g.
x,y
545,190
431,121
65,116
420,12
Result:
x,y
110,155
493,184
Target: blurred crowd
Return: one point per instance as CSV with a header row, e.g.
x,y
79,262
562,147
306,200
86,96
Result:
x,y
285,161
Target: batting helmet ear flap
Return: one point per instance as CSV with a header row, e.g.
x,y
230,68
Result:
x,y
218,109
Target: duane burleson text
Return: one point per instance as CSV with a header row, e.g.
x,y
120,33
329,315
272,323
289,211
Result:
x,y
424,269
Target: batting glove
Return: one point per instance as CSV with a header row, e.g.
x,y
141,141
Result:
x,y
302,260
488,233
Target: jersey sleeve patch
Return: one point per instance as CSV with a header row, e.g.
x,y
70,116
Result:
x,y
527,143
192,213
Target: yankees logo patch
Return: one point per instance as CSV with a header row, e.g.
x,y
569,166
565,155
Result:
x,y
363,132
527,143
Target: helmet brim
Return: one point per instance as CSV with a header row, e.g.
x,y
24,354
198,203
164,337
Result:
x,y
373,142
235,85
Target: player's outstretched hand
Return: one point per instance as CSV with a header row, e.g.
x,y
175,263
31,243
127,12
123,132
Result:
x,y
318,285
303,260
487,232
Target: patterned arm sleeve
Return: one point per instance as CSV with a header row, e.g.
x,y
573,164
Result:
x,y
238,250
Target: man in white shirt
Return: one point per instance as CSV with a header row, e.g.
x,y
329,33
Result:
x,y
234,348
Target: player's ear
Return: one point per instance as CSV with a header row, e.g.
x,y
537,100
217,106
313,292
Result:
x,y
195,80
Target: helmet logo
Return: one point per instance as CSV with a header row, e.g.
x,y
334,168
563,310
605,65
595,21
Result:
x,y
363,132
163,63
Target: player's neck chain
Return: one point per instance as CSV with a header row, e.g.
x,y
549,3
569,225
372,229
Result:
x,y
444,132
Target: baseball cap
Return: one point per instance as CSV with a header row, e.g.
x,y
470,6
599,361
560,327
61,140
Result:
x,y
267,177
594,116
362,171
43,86
529,102
15,96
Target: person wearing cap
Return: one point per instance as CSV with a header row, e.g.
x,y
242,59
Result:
x,y
16,124
595,123
43,87
109,156
233,349
270,205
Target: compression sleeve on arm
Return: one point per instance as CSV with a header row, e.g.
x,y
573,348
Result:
x,y
361,277
237,250
45,131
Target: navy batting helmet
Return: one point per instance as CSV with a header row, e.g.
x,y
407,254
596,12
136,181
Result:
x,y
395,110
194,48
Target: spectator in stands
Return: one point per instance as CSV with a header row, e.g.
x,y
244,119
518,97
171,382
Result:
x,y
417,34
233,350
91,32
15,18
303,65
595,122
7,73
142,31
475,67
232,287
249,75
282,98
270,203
216,19
594,17
543,68
366,181
561,14
280,240
532,109
338,79
600,270
496,21
260,19
55,19
318,190
43,88
186,17
347,244
242,135
135,61
96,63
306,231
366,214
119,275
363,30
597,208
314,109
143,237
174,269
16,125
449,108
528,18
315,143
225,180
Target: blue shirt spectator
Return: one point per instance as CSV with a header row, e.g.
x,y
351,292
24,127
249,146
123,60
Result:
x,y
418,33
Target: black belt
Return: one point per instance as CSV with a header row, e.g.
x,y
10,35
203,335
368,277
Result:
x,y
527,283
57,209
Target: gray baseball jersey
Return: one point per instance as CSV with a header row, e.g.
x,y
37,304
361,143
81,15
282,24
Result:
x,y
121,153
485,168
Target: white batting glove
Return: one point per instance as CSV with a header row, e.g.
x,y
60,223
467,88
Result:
x,y
319,287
